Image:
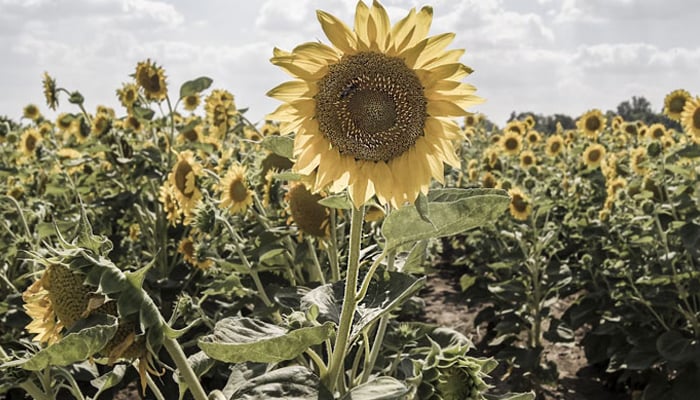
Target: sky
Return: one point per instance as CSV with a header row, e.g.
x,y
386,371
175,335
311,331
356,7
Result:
x,y
546,56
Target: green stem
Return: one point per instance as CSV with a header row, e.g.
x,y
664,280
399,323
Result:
x,y
332,249
154,388
317,265
186,372
33,391
335,373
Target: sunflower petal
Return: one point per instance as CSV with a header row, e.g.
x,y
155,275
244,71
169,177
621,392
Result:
x,y
291,91
443,108
383,25
434,47
361,16
337,32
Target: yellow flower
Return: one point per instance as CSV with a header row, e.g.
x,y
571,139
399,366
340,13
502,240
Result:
x,y
615,185
372,113
471,120
656,132
101,124
128,94
530,121
527,159
511,142
191,132
38,307
690,119
593,155
591,123
488,180
515,126
311,217
152,79
674,103
133,123
616,122
554,145
189,253
630,129
31,111
29,141
520,206
191,102
183,181
270,128
221,112
50,91
638,159
533,137
235,194
169,202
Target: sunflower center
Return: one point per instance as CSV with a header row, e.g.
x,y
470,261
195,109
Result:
x,y
554,147
310,216
237,191
190,134
30,143
592,124
519,203
594,155
181,171
371,106
696,118
658,133
511,143
676,104
527,160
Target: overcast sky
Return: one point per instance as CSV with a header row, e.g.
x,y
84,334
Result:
x,y
547,56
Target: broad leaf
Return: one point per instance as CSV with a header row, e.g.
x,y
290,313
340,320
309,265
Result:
x,y
195,86
236,340
280,145
672,345
293,383
108,380
339,201
382,388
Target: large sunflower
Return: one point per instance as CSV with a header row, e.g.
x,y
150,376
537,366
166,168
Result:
x,y
593,155
690,118
235,194
183,181
371,113
511,142
675,102
554,146
29,141
591,123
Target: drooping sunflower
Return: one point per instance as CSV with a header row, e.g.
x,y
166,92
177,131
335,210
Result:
x,y
31,111
674,103
591,123
100,124
235,194
554,145
151,78
616,122
221,112
520,206
488,180
304,210
511,143
183,181
527,159
189,252
371,113
50,91
29,141
690,118
593,155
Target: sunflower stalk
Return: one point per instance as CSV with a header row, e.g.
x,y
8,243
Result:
x,y
186,372
33,391
335,378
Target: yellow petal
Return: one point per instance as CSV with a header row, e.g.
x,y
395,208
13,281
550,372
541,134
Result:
x,y
301,67
283,113
434,47
448,57
317,50
382,24
291,91
361,16
424,19
443,108
338,33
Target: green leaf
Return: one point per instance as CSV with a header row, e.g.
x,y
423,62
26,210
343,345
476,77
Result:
x,y
236,340
90,336
195,86
339,201
280,145
511,396
108,380
423,208
466,281
689,151
143,112
293,383
672,345
448,218
447,195
415,259
382,388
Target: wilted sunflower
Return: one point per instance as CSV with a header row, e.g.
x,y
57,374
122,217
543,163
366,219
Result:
x,y
128,94
690,118
591,123
191,102
31,111
151,78
183,181
593,155
189,253
520,206
50,91
371,113
554,145
674,103
29,141
511,143
527,159
304,210
235,194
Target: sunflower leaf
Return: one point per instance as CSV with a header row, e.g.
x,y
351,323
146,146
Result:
x,y
470,209
280,145
294,382
423,208
195,86
382,388
236,340
339,201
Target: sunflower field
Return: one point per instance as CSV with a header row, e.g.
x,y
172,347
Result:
x,y
175,249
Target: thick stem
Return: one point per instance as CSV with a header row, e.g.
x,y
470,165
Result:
x,y
335,373
186,372
33,391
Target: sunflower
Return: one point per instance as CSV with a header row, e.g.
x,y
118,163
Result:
x,y
128,95
304,210
656,132
371,113
100,124
191,102
132,122
616,122
235,194
530,121
31,111
221,112
638,160
29,141
554,145
189,252
674,103
690,119
630,129
471,120
520,206
488,180
511,143
191,132
50,91
591,123
39,308
151,78
593,155
532,137
615,185
183,181
527,159
167,198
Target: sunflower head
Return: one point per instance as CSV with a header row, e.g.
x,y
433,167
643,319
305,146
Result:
x,y
183,182
520,206
151,78
690,118
221,112
554,145
371,112
616,122
100,125
235,194
630,129
593,155
530,121
128,94
527,159
591,123
191,102
533,137
511,143
638,160
488,180
305,211
29,141
31,111
471,120
674,103
190,252
50,91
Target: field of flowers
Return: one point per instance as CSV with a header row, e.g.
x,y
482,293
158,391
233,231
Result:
x,y
176,244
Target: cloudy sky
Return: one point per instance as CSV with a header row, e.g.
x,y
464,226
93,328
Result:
x,y
547,56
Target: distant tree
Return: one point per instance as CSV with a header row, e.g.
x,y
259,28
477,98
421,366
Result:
x,y
546,124
639,109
